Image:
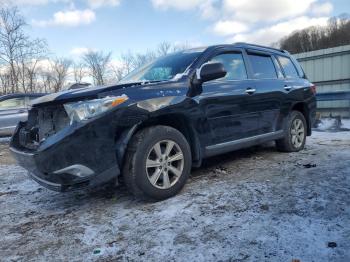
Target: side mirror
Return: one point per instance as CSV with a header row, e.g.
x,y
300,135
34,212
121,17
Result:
x,y
211,71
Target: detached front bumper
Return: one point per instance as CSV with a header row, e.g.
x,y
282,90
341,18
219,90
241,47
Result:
x,y
73,158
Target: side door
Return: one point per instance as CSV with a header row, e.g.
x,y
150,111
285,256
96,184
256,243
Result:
x,y
228,103
269,85
12,110
296,88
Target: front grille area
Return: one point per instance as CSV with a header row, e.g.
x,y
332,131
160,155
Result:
x,y
43,122
51,120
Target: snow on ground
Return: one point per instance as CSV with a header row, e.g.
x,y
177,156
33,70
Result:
x,y
5,139
251,205
345,123
333,124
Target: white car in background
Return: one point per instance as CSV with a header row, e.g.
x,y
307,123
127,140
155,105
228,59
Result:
x,y
14,108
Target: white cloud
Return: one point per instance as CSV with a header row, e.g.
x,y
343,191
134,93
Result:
x,y
262,21
265,10
176,4
206,8
79,51
225,27
68,18
101,3
270,34
321,9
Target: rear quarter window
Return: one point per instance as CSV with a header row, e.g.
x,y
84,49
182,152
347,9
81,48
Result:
x,y
263,67
288,67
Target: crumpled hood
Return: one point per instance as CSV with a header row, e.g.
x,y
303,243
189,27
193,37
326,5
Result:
x,y
134,91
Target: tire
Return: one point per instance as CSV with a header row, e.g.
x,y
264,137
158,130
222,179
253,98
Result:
x,y
146,167
294,139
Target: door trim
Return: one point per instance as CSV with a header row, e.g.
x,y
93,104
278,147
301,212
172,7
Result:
x,y
241,143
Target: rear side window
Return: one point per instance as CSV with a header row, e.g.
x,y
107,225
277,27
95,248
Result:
x,y
288,67
263,66
233,64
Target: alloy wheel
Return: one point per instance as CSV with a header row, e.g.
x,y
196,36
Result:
x,y
297,133
164,164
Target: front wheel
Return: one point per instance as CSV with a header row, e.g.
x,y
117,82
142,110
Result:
x,y
157,162
295,133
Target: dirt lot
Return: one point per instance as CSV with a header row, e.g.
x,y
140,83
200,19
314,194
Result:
x,y
251,205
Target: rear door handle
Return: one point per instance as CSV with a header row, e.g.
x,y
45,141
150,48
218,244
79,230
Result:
x,y
250,91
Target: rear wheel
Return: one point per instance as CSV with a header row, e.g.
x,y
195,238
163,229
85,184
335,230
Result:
x,y
295,133
157,162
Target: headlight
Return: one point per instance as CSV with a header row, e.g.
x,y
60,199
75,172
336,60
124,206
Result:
x,y
83,110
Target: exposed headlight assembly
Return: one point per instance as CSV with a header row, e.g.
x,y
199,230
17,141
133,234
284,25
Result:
x,y
84,110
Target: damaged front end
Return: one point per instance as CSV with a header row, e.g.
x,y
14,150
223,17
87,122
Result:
x,y
63,154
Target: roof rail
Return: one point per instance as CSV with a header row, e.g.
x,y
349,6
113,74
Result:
x,y
261,46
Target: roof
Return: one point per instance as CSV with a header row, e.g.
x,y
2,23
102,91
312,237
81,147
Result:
x,y
240,45
261,47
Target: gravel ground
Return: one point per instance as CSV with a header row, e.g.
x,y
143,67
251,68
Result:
x,y
250,205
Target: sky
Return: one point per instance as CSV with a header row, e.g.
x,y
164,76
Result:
x,y
73,27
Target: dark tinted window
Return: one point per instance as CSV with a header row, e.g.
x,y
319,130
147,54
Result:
x,y
288,67
233,64
262,66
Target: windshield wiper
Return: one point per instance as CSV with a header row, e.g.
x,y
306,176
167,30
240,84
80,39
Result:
x,y
144,82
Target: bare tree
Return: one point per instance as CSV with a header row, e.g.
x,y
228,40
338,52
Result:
x,y
29,57
128,62
164,48
18,52
79,72
335,33
97,64
12,39
46,80
58,73
180,47
118,71
5,80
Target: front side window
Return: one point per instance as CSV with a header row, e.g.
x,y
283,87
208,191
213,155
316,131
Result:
x,y
12,103
233,64
263,67
288,67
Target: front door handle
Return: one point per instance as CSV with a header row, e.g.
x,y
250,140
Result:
x,y
288,88
250,91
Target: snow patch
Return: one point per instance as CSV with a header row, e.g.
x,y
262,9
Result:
x,y
5,139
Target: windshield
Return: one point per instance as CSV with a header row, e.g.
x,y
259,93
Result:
x,y
162,69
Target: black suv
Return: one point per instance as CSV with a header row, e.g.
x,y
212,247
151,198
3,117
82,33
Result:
x,y
166,117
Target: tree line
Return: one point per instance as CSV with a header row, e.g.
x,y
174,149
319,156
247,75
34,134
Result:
x,y
27,65
335,33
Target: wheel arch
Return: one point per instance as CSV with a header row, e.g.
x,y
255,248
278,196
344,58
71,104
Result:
x,y
174,120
